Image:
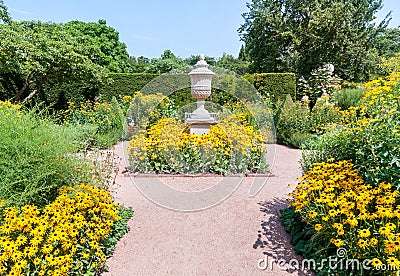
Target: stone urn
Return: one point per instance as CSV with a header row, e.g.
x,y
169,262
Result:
x,y
200,78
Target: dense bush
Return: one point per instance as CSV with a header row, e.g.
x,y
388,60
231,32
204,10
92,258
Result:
x,y
275,85
337,209
347,97
232,146
369,135
122,84
142,111
36,156
69,236
297,124
272,85
107,120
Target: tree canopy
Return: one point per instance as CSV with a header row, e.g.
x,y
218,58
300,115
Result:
x,y
4,15
301,35
41,54
102,41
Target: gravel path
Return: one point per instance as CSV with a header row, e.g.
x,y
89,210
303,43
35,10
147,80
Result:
x,y
226,239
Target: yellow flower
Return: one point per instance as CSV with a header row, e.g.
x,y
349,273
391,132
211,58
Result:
x,y
362,243
384,231
364,233
312,214
340,232
373,242
375,262
337,242
393,262
318,227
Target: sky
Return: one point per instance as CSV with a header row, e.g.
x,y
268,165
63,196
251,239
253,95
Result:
x,y
148,27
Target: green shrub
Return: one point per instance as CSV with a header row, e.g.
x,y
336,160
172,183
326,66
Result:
x,y
369,135
36,157
107,119
275,85
347,97
122,84
297,125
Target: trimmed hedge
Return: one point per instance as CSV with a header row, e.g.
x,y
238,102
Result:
x,y
125,84
274,85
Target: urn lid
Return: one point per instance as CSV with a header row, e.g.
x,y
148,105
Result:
x,y
201,68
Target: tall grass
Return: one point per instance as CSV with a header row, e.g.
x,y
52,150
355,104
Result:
x,y
348,97
37,157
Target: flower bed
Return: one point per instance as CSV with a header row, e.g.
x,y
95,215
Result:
x,y
343,211
67,237
232,146
353,203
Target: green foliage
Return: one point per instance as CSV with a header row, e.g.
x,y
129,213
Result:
x,y
390,64
102,44
119,229
4,15
275,85
296,36
301,238
297,125
106,118
42,54
36,157
142,111
125,84
369,136
233,64
348,97
388,42
167,62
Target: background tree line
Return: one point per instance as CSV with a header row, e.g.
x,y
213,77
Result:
x,y
48,62
301,35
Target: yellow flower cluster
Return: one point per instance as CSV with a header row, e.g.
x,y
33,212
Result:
x,y
62,239
335,201
99,114
379,101
170,138
8,104
139,107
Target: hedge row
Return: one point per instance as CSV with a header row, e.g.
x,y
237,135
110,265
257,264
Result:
x,y
125,84
274,85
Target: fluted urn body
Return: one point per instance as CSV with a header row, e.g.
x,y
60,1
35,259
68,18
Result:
x,y
200,79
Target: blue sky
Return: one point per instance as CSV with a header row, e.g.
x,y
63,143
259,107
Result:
x,y
148,27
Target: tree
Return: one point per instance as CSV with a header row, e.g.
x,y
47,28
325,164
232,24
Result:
x,y
166,63
300,35
110,52
43,54
233,64
4,15
193,59
388,43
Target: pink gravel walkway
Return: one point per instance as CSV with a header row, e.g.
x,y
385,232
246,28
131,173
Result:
x,y
227,239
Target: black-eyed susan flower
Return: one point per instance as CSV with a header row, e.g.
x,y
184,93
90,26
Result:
x,y
376,263
318,227
364,233
362,243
